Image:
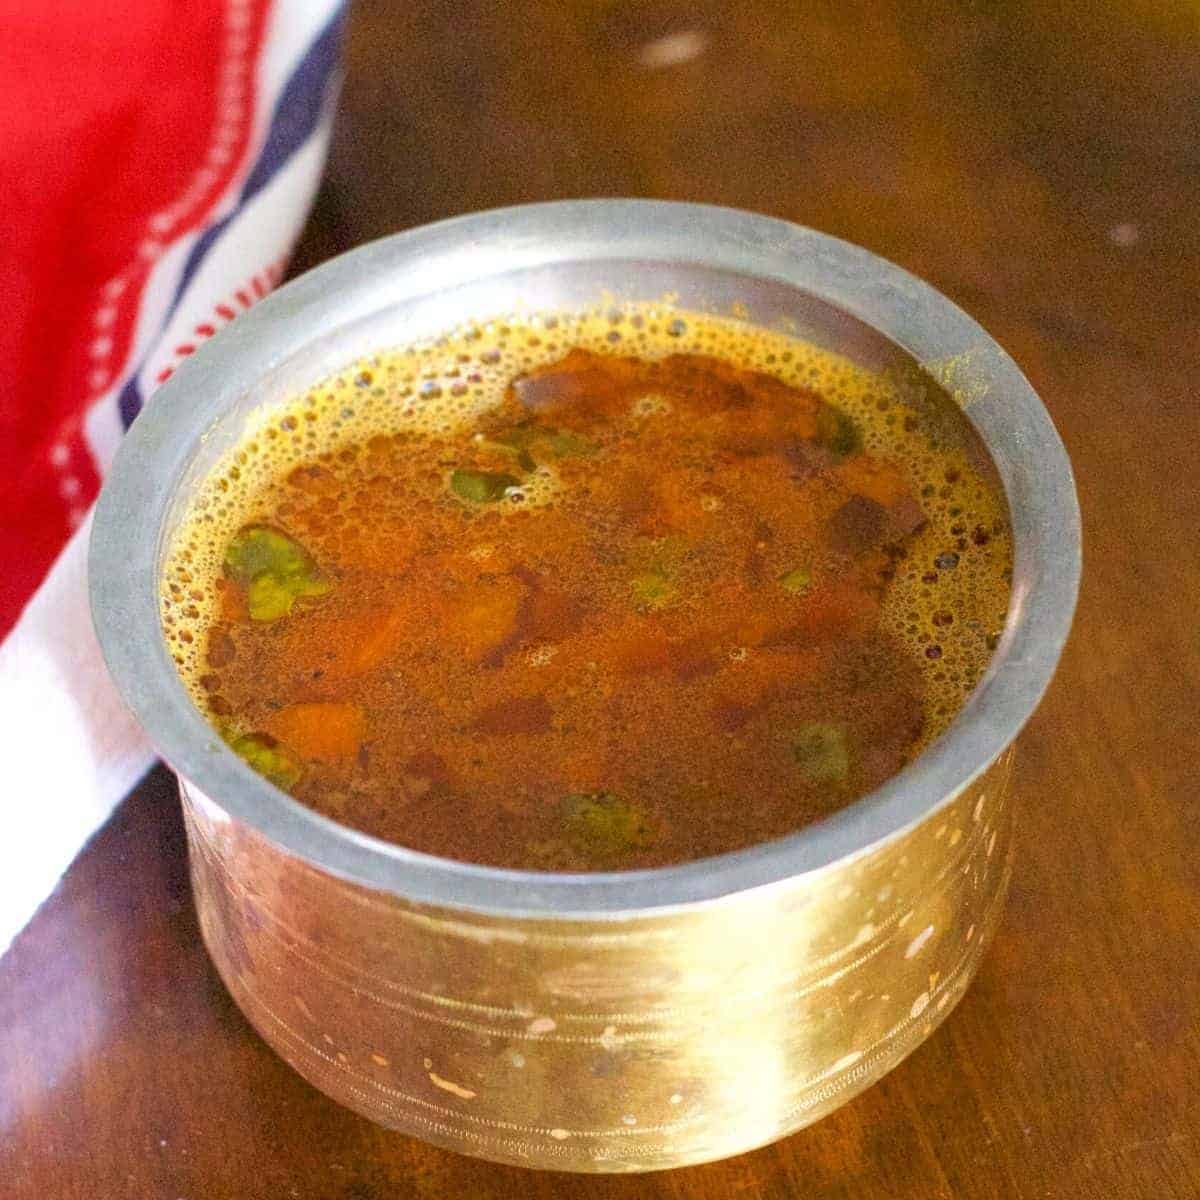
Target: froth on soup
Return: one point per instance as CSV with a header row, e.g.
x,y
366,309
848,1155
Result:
x,y
589,592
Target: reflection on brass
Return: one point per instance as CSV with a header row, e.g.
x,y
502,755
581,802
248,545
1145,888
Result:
x,y
618,1044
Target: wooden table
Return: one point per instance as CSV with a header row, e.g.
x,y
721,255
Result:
x,y
1043,169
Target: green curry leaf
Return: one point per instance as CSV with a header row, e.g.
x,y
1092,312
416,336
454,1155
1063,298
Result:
x,y
652,589
274,569
837,432
270,758
606,829
821,753
531,443
796,581
564,444
481,487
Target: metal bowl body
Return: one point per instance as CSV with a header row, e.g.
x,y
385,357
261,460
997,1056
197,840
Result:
x,y
614,1022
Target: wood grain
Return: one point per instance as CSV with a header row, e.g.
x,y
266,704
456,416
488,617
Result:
x,y
1041,167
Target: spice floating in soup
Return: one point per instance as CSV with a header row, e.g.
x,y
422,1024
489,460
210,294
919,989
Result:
x,y
591,593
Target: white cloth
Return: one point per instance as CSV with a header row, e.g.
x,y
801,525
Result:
x,y
70,749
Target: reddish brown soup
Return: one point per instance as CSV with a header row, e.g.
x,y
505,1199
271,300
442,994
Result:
x,y
540,596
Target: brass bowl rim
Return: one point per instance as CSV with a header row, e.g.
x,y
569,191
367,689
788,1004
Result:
x,y
1032,463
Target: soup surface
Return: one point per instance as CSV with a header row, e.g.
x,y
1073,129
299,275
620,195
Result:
x,y
597,592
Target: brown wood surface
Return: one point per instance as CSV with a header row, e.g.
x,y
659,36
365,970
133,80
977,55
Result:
x,y
1042,167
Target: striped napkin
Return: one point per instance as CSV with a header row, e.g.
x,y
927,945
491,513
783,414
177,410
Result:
x,y
157,162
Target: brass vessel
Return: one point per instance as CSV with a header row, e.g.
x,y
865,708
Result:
x,y
628,1021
